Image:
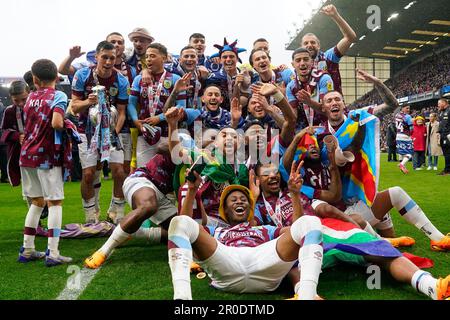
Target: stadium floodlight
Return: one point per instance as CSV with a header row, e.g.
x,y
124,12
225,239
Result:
x,y
393,16
437,38
362,37
409,5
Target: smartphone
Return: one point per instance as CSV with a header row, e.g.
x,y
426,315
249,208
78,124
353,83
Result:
x,y
198,167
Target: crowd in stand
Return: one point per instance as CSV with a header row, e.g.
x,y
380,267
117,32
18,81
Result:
x,y
427,75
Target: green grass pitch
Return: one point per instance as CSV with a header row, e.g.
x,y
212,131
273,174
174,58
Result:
x,y
140,271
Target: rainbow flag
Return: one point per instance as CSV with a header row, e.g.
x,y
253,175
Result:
x,y
360,179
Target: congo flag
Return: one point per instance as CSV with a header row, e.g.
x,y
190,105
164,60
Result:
x,y
360,134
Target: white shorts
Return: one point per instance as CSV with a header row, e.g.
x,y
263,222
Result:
x,y
366,213
361,209
48,184
125,140
245,269
144,151
166,208
89,159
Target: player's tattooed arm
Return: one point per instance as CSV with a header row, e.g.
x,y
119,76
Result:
x,y
389,99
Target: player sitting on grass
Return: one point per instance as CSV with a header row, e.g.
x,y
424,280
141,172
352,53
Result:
x,y
241,258
338,246
396,197
146,192
41,162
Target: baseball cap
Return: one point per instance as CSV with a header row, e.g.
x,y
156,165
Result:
x,y
140,32
229,190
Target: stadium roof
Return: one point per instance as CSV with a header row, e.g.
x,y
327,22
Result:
x,y
419,30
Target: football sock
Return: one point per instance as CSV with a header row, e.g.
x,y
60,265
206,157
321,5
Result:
x,y
31,224
183,231
54,229
89,210
117,238
412,213
152,235
406,160
116,209
370,230
307,233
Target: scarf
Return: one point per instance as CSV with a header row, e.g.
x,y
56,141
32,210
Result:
x,y
216,119
101,140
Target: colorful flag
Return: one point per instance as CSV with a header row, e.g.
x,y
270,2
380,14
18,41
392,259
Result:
x,y
349,238
304,144
340,236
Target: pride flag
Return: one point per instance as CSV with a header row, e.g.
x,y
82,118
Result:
x,y
360,179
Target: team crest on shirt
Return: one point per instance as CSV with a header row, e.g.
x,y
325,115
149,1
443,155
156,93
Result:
x,y
167,84
330,86
113,91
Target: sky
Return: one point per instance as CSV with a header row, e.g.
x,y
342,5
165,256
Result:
x,y
35,29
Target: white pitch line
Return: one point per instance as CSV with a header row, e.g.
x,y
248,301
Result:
x,y
86,276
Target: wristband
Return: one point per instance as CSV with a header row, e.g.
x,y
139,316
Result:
x,y
162,117
278,97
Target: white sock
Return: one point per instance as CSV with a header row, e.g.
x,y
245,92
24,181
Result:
x,y
424,282
31,224
310,265
89,210
117,238
183,231
371,231
54,229
412,213
180,261
152,235
117,208
307,233
405,160
97,186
